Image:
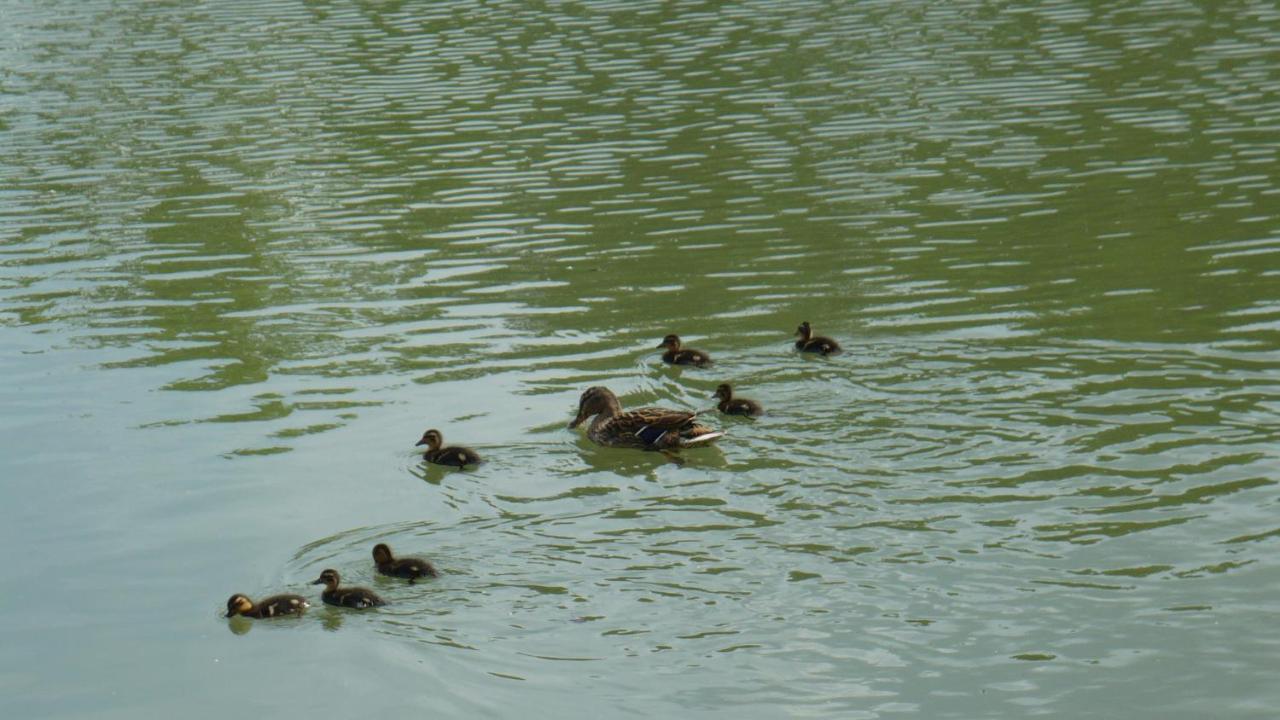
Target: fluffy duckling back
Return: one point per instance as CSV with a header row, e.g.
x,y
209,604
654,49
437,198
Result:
x,y
410,568
457,456
274,606
808,342
353,597
730,405
677,355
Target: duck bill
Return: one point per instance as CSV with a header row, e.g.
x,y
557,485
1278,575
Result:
x,y
577,421
319,581
229,614
420,442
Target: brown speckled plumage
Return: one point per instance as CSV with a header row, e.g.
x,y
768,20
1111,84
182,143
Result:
x,y
409,568
649,428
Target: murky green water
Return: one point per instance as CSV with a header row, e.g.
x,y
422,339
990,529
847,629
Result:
x,y
250,251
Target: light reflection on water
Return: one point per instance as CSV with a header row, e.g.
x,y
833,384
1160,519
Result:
x,y
248,253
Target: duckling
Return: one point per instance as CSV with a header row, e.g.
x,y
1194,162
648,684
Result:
x,y
808,342
649,428
456,455
729,405
682,356
411,568
354,597
274,606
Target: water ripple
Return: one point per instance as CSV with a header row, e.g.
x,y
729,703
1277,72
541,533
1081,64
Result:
x,y
297,234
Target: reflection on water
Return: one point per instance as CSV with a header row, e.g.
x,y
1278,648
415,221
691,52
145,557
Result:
x,y
250,251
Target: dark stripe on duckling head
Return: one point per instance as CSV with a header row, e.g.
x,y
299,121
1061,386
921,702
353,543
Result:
x,y
238,604
328,577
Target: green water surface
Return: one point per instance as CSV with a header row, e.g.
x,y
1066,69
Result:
x,y
250,251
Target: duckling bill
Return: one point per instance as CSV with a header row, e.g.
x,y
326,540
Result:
x,y
808,342
456,456
730,405
274,606
678,355
409,568
352,597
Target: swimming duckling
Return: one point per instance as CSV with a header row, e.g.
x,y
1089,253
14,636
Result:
x,y
456,456
682,356
354,597
274,606
808,342
411,568
650,428
729,405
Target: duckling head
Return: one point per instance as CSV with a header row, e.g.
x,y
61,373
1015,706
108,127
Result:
x,y
238,604
432,439
670,342
328,577
804,331
724,392
381,554
594,401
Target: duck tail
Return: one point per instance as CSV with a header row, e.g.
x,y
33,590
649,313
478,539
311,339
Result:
x,y
705,437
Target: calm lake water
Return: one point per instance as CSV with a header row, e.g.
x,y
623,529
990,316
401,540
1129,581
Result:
x,y
250,251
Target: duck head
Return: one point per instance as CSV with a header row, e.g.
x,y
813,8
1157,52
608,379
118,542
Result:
x,y
594,401
329,578
432,439
238,604
724,392
804,331
670,342
381,554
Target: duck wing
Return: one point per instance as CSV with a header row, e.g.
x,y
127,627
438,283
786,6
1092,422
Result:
x,y
456,456
412,568
824,345
649,425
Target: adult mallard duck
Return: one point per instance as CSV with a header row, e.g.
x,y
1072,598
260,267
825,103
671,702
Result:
x,y
809,342
457,456
353,597
410,568
274,606
649,428
730,405
676,355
